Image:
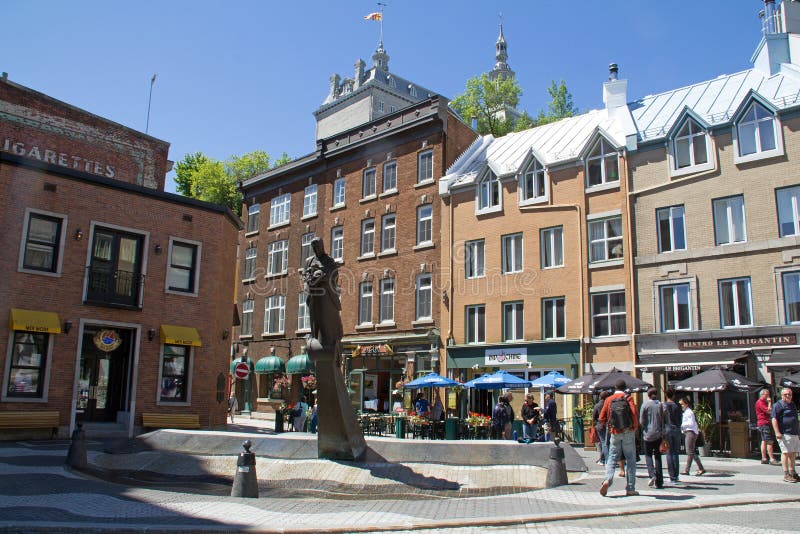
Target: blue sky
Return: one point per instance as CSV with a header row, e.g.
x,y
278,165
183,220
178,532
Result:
x,y
238,76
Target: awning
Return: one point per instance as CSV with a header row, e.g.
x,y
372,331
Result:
x,y
299,364
687,361
269,364
180,335
34,321
788,358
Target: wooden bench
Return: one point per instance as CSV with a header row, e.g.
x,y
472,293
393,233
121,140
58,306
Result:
x,y
171,420
30,419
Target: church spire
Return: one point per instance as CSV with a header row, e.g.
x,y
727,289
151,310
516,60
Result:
x,y
380,59
501,68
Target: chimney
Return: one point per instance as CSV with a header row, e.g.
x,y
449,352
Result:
x,y
358,75
334,79
769,17
615,91
613,69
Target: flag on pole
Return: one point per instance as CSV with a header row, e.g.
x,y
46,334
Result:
x,y
374,16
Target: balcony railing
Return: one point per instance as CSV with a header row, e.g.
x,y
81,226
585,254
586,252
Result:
x,y
113,288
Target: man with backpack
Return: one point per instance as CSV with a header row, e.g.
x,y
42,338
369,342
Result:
x,y
619,412
651,417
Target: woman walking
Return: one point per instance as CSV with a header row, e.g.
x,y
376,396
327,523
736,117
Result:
x,y
690,431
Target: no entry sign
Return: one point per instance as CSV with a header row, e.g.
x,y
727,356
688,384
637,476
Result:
x,y
242,370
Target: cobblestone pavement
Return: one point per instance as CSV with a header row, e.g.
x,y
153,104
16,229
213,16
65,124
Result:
x,y
38,494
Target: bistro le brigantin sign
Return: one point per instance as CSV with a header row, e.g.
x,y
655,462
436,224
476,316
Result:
x,y
737,342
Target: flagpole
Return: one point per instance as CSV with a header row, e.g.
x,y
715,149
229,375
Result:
x,y
149,100
381,31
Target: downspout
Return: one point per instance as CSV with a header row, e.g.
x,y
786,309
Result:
x,y
451,293
632,278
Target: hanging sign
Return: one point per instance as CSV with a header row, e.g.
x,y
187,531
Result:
x,y
508,356
107,340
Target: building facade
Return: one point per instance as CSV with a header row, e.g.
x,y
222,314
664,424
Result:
x,y
117,294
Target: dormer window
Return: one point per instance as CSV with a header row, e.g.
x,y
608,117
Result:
x,y
690,149
534,184
412,90
757,134
489,193
602,165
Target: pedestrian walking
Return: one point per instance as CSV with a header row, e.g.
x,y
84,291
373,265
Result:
x,y
784,421
651,418
550,417
672,436
690,432
619,412
233,405
764,423
602,430
499,418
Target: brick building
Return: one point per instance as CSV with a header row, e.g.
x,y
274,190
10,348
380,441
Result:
x,y
117,294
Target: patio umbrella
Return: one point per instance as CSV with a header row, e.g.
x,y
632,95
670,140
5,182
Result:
x,y
592,383
551,380
499,380
431,380
716,379
578,385
791,381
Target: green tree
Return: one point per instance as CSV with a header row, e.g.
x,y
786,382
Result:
x,y
524,122
185,169
560,105
246,166
486,100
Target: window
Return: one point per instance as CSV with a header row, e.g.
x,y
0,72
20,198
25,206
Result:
x,y
608,314
424,224
250,263
247,317
115,273
756,131
43,241
791,296
337,243
303,316
425,166
368,185
513,314
690,146
735,305
729,224
338,192
476,324
671,229
551,242
534,185
605,239
788,200
602,165
26,374
274,314
305,247
277,251
412,90
252,217
512,253
310,201
387,300
474,259
392,109
489,193
279,209
390,176
367,237
676,310
174,373
424,297
553,319
380,106
183,266
365,303
388,233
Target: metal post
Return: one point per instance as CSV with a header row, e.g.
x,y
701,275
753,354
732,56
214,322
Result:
x,y
556,470
245,481
76,457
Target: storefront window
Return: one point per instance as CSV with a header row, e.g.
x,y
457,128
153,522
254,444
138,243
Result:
x,y
174,366
28,357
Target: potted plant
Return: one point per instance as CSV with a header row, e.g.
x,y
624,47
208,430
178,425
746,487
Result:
x,y
705,423
585,413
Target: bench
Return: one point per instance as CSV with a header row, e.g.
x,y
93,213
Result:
x,y
170,420
30,419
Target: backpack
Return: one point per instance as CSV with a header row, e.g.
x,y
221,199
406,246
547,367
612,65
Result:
x,y
620,414
499,416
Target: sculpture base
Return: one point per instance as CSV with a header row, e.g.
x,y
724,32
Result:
x,y
339,435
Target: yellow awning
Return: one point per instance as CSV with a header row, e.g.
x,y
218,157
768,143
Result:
x,y
180,335
34,321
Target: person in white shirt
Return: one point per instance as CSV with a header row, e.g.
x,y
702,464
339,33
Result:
x,y
690,432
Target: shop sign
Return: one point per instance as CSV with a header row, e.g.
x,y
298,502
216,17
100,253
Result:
x,y
676,368
54,157
506,356
107,340
372,350
737,342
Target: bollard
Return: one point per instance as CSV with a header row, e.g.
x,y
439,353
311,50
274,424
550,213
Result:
x,y
76,457
556,471
245,481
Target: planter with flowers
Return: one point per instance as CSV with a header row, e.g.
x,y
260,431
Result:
x,y
309,382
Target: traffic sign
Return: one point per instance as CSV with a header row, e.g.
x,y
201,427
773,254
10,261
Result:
x,y
242,370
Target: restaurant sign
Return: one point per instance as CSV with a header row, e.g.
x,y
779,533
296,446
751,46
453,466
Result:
x,y
509,356
737,342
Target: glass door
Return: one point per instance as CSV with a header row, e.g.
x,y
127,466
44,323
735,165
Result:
x,y
115,269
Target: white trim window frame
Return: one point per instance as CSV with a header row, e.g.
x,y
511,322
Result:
x,y
337,243
26,376
787,200
735,303
425,167
250,255
42,245
534,187
690,149
730,224
512,247
339,190
488,197
554,319
609,317
671,228
303,315
424,297
425,224
475,259
252,218
367,237
365,303
386,304
310,200
368,183
280,209
757,134
513,321
551,244
305,247
247,317
175,375
183,269
390,177
791,296
675,303
277,253
602,165
475,324
605,240
388,232
274,314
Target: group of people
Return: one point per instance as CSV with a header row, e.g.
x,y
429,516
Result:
x,y
538,424
778,422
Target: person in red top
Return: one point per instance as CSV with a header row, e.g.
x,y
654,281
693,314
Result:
x,y
623,438
764,422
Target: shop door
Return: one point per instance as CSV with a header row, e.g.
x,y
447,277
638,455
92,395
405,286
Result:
x,y
104,372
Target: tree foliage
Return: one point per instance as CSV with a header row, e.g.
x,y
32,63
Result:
x,y
486,100
184,170
560,105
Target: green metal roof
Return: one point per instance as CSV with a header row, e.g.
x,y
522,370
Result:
x,y
299,364
270,364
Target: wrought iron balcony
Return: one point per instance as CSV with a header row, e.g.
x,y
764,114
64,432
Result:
x,y
113,288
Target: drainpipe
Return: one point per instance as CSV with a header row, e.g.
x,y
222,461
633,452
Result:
x,y
630,258
451,293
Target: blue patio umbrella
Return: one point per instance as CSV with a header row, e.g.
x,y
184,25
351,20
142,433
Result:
x,y
499,380
431,380
551,380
